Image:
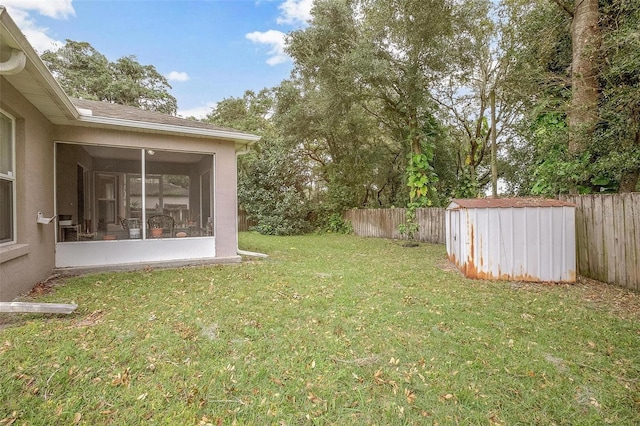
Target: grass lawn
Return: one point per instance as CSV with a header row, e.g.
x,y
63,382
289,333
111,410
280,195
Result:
x,y
330,329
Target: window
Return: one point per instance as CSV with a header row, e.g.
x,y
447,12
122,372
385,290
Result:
x,y
7,179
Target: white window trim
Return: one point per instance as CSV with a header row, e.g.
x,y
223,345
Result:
x,y
12,179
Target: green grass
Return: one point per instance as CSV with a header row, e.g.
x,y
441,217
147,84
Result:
x,y
329,330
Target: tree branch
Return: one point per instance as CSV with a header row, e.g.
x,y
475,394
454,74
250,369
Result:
x,y
564,7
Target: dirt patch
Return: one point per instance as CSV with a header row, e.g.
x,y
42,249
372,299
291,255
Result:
x,y
619,301
45,287
448,266
94,318
10,320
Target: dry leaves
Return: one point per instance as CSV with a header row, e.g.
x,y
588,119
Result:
x,y
122,379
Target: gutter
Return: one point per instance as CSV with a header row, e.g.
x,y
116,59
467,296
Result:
x,y
50,85
14,64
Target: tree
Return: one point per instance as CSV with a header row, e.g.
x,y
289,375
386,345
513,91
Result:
x,y
83,72
581,89
374,60
481,63
585,40
271,178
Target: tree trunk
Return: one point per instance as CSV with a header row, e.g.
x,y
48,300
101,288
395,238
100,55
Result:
x,y
494,147
585,36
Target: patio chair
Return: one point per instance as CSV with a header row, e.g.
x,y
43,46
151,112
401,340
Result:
x,y
124,223
161,221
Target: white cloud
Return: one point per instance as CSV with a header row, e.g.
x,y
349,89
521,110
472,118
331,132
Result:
x,y
177,76
295,12
57,9
38,36
274,39
197,112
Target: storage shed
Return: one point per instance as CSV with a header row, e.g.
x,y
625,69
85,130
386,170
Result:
x,y
520,239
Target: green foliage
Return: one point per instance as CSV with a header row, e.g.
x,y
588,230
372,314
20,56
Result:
x,y
421,179
334,223
83,72
467,185
358,101
271,177
411,226
609,155
270,189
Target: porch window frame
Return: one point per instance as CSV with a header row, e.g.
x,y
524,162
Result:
x,y
11,178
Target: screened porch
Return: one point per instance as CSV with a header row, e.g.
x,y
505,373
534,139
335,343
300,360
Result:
x,y
128,205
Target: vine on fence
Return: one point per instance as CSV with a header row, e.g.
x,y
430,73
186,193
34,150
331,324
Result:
x,y
421,180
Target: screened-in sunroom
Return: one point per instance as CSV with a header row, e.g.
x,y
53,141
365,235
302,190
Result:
x,y
128,205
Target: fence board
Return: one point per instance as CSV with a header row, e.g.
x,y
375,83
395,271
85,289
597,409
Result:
x,y
384,223
597,239
620,249
631,247
244,224
635,232
581,234
608,237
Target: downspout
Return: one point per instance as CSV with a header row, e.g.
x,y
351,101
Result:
x,y
14,64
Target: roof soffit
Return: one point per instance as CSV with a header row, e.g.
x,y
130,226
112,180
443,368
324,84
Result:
x,y
35,82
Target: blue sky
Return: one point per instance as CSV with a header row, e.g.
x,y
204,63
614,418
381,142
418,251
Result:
x,y
208,49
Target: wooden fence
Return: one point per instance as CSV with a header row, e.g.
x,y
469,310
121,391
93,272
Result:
x,y
607,233
244,224
384,223
608,237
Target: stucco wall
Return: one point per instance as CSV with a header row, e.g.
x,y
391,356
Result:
x,y
32,259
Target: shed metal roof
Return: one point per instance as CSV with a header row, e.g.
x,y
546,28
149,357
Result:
x,y
487,203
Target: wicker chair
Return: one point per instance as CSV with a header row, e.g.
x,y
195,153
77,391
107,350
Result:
x,y
164,222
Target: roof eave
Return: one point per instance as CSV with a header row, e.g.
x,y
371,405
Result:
x,y
238,137
35,65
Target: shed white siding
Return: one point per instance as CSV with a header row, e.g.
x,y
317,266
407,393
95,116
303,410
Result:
x,y
525,241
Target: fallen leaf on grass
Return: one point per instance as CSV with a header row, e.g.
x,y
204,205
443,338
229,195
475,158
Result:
x,y
411,397
446,397
314,398
377,378
10,420
77,418
495,421
121,379
5,347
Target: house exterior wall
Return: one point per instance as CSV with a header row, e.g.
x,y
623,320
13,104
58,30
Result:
x,y
226,203
523,244
31,259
